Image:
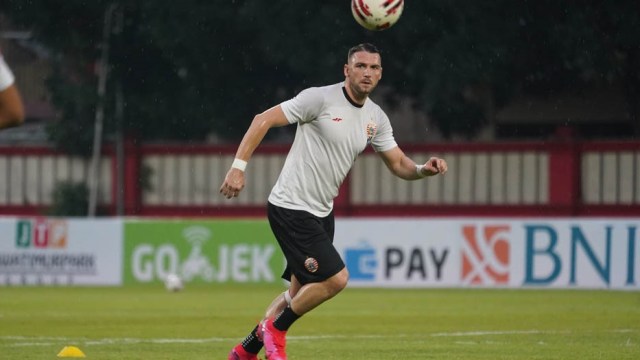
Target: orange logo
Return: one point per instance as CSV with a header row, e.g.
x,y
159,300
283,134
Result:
x,y
41,233
485,255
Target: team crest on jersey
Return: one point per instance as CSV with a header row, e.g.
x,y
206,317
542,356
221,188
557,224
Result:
x,y
372,129
311,265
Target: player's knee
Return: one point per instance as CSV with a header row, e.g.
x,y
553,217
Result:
x,y
339,281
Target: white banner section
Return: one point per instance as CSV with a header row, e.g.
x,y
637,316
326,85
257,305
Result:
x,y
58,251
542,253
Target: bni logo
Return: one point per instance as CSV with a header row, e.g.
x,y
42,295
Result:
x,y
41,234
485,255
361,262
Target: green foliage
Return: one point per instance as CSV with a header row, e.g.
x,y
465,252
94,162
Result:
x,y
70,199
194,67
73,132
469,115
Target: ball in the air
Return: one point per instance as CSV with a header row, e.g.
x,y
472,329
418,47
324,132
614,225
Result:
x,y
377,14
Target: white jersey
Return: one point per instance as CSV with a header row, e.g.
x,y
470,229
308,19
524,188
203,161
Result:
x,y
332,131
6,76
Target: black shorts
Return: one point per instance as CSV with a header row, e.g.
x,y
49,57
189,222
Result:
x,y
307,243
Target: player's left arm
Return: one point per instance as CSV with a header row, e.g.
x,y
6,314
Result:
x,y
403,167
11,108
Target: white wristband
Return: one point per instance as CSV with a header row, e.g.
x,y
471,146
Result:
x,y
419,171
239,164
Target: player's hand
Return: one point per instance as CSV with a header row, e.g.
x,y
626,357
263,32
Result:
x,y
233,183
435,166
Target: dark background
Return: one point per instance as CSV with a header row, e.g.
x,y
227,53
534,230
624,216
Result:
x,y
464,70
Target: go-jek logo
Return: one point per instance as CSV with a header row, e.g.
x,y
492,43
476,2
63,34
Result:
x,y
485,255
41,234
197,264
167,258
361,262
237,262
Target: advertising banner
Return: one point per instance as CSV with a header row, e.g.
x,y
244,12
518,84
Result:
x,y
545,253
380,252
57,251
217,251
399,253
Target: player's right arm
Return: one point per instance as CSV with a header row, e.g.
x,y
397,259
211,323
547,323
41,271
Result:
x,y
234,180
11,108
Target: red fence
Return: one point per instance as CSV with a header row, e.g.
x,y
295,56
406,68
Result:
x,y
497,179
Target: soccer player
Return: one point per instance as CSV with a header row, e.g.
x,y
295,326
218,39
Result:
x,y
335,124
11,108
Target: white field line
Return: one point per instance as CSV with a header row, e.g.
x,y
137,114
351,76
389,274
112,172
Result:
x,y
19,341
490,333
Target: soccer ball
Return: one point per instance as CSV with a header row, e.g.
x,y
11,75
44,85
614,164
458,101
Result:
x,y
173,283
377,14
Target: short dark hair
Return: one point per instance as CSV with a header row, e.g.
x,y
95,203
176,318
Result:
x,y
370,48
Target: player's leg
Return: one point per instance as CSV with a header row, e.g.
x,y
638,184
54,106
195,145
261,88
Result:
x,y
274,329
309,296
252,344
307,242
314,294
283,300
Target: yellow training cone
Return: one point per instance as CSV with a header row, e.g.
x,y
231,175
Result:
x,y
71,351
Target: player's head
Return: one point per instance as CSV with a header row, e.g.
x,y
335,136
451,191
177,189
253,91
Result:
x,y
363,70
366,47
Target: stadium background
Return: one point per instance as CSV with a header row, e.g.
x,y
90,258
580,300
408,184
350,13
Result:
x,y
534,106
131,114
536,111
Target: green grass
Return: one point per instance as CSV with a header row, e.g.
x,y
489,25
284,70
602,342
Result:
x,y
205,322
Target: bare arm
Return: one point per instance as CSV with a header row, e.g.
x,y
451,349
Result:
x,y
11,108
234,181
403,167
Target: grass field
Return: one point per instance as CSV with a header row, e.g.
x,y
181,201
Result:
x,y
205,322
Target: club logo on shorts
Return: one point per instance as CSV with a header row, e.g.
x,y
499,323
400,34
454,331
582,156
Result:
x,y
311,265
372,129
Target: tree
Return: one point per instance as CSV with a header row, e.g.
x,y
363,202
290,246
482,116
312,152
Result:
x,y
195,67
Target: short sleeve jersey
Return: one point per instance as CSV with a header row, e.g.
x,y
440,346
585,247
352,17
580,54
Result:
x,y
332,131
6,76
